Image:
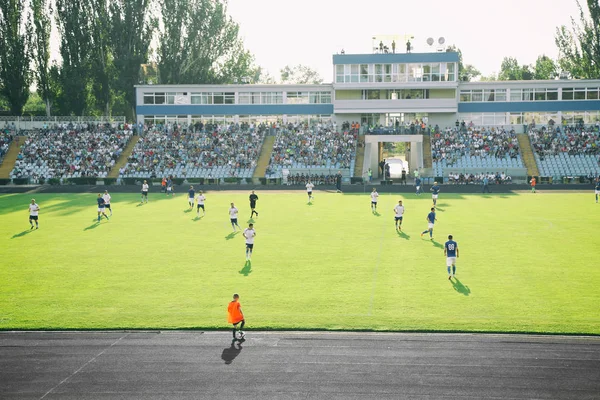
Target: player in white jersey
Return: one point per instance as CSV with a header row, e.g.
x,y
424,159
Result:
x,y
233,216
34,210
374,196
399,210
249,234
200,199
309,189
145,192
107,198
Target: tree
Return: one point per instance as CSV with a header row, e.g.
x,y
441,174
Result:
x,y
300,74
15,54
131,34
73,17
579,48
102,68
510,70
465,72
42,23
199,43
545,68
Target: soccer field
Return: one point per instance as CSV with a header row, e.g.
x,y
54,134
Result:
x,y
528,263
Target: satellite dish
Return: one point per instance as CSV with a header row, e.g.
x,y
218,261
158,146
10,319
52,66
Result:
x,y
430,41
441,40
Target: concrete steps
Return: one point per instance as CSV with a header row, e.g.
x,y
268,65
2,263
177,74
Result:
x,y
11,157
114,172
265,156
427,161
360,157
527,154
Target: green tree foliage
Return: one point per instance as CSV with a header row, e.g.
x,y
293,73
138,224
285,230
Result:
x,y
131,34
579,47
73,17
15,53
510,70
300,74
199,43
42,23
101,65
465,72
545,68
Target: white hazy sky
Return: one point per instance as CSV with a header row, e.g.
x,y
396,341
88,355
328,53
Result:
x,y
285,32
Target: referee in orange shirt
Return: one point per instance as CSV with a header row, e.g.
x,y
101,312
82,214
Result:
x,y
235,316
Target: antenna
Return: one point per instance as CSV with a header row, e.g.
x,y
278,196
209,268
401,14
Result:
x,y
441,41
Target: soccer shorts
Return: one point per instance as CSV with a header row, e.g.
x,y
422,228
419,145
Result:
x,y
250,246
200,206
33,217
107,206
430,226
596,191
373,203
450,261
100,209
309,193
191,199
144,193
234,220
434,196
169,189
398,219
418,187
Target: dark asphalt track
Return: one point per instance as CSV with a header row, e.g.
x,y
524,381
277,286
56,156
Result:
x,y
194,365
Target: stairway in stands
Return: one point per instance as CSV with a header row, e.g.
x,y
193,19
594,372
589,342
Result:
x,y
527,154
427,161
360,157
11,157
114,172
265,156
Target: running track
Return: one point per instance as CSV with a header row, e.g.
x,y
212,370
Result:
x,y
294,365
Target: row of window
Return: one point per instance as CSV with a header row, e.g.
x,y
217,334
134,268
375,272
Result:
x,y
533,94
398,94
540,118
365,73
229,119
243,98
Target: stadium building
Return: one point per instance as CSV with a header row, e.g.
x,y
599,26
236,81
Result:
x,y
385,93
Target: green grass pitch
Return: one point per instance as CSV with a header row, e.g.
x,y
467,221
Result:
x,y
528,263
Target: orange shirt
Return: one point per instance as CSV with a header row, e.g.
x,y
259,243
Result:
x,y
234,312
533,182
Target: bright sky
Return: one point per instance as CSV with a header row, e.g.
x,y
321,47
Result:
x,y
285,32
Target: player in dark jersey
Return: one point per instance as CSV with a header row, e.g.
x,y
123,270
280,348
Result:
x,y
418,186
253,197
451,254
435,189
101,207
597,190
430,221
191,197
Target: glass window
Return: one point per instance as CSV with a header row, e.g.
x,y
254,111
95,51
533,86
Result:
x,y
489,95
516,118
552,94
435,72
567,94
527,95
451,72
477,95
170,98
540,94
148,98
500,94
515,94
159,98
465,95
218,98
229,98
372,95
244,98
592,93
326,98
196,98
256,98
364,72
579,94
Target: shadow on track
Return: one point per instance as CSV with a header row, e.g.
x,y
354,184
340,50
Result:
x,y
230,353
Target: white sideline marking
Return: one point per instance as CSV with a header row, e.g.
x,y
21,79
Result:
x,y
83,366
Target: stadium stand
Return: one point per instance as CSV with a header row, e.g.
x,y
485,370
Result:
x,y
6,137
318,149
494,150
70,152
196,152
566,152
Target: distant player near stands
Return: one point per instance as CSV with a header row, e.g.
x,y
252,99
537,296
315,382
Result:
x,y
235,316
253,197
34,210
597,190
200,199
435,189
101,207
374,197
170,187
399,210
249,234
309,190
451,254
107,198
430,222
233,216
418,186
532,182
144,192
191,197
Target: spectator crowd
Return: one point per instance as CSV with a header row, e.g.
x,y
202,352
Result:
x,y
66,151
570,140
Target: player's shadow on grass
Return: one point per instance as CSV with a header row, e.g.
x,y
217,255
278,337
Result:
x,y
309,203
247,268
403,235
140,204
92,226
198,217
230,353
231,235
189,210
460,288
21,234
443,204
376,214
250,221
437,244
